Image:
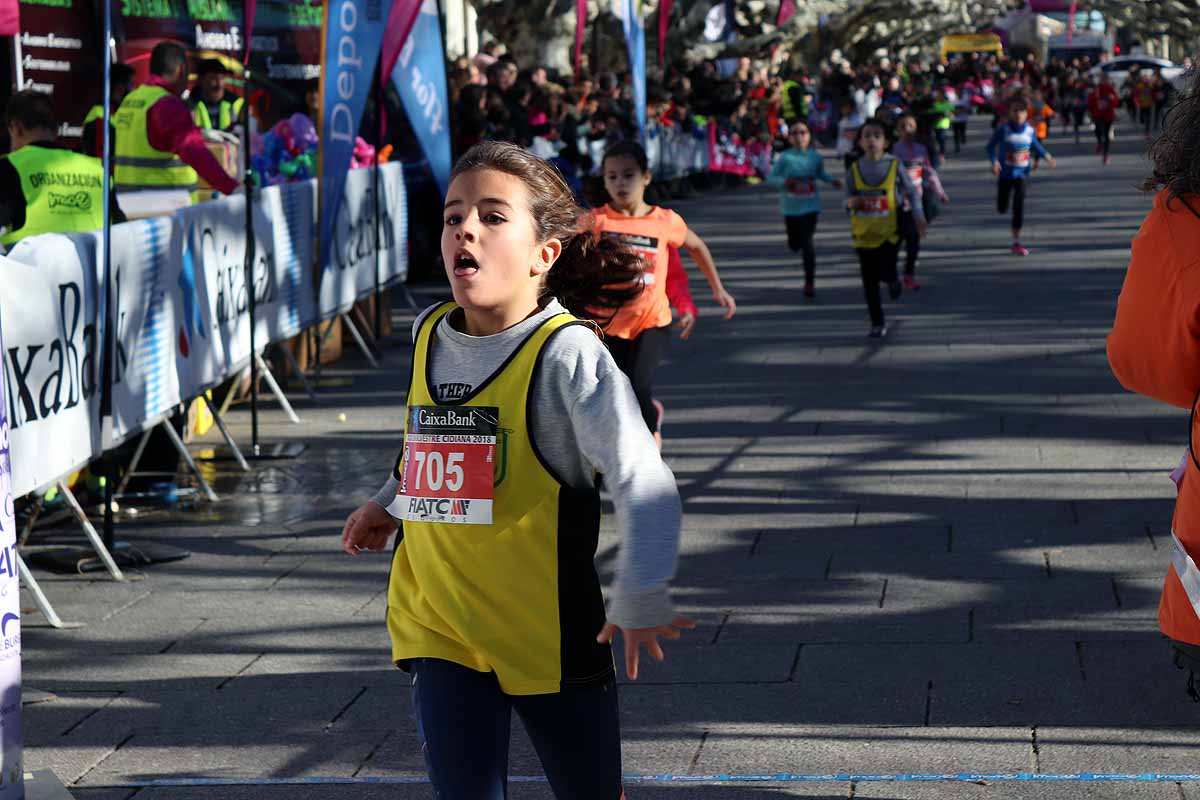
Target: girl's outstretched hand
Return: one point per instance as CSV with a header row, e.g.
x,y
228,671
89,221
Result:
x,y
687,324
725,299
637,638
367,528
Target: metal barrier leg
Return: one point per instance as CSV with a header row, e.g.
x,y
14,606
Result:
x,y
265,371
39,597
233,448
233,390
90,532
295,365
133,465
408,298
191,462
362,345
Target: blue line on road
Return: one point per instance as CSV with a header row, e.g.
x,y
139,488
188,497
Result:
x,y
765,777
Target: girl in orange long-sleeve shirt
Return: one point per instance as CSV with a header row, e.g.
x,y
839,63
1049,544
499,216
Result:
x,y
1154,349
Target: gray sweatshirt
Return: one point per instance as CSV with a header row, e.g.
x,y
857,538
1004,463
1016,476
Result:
x,y
586,420
873,172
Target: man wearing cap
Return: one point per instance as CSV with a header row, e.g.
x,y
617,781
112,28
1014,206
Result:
x,y
158,144
212,106
45,188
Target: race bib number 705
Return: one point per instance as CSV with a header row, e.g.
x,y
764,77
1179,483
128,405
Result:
x,y
446,471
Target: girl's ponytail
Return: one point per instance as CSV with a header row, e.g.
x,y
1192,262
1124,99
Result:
x,y
593,277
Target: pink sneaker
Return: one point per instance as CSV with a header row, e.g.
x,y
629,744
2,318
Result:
x,y
1019,249
910,282
1106,160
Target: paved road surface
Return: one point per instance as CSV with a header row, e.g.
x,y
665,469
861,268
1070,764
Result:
x,y
942,553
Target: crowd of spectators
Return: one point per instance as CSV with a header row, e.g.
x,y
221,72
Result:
x,y
558,116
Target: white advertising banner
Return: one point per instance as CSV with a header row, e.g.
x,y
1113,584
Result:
x,y
180,310
351,273
12,773
50,312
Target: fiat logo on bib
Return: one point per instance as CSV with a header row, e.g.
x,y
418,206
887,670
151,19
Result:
x,y
447,469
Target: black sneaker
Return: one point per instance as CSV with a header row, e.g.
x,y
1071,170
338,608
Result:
x,y
895,289
877,332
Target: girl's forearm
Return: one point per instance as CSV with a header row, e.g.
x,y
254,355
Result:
x,y
704,260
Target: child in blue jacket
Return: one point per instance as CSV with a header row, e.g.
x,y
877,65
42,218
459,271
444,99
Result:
x,y
1010,153
795,174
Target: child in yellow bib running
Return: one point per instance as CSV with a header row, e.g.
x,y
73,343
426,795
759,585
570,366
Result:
x,y
515,407
875,185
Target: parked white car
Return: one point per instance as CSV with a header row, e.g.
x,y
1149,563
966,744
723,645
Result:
x,y
1118,69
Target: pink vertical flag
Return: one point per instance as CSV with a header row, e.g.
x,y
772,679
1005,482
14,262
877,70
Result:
x,y
400,22
580,24
664,20
251,8
787,9
10,24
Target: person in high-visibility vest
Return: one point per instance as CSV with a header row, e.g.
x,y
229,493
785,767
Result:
x,y
121,83
158,144
214,108
45,188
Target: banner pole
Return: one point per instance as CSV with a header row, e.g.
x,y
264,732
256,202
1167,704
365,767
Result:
x,y
249,267
109,465
375,200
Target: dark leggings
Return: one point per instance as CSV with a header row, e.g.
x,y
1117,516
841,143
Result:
x,y
463,720
1104,135
878,265
960,136
912,242
800,230
638,359
1014,188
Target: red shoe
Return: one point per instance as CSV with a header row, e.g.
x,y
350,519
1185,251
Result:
x,y
1107,158
809,291
910,282
1099,148
1019,249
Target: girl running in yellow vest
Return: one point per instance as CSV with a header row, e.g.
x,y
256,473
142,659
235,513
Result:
x,y
874,186
639,332
514,408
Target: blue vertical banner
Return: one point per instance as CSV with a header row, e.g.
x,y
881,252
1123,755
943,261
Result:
x,y
630,14
350,49
420,78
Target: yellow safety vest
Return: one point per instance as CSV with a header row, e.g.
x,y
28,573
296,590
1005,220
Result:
x,y
94,113
790,112
518,596
228,114
878,222
137,165
64,192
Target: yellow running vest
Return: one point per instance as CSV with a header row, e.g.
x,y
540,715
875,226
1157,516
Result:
x,y
519,595
64,192
877,222
137,166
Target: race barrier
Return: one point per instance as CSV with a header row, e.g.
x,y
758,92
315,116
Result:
x,y
180,314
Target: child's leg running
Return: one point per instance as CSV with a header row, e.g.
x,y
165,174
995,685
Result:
x,y
912,243
462,718
638,359
1003,192
577,736
1018,208
800,238
869,263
